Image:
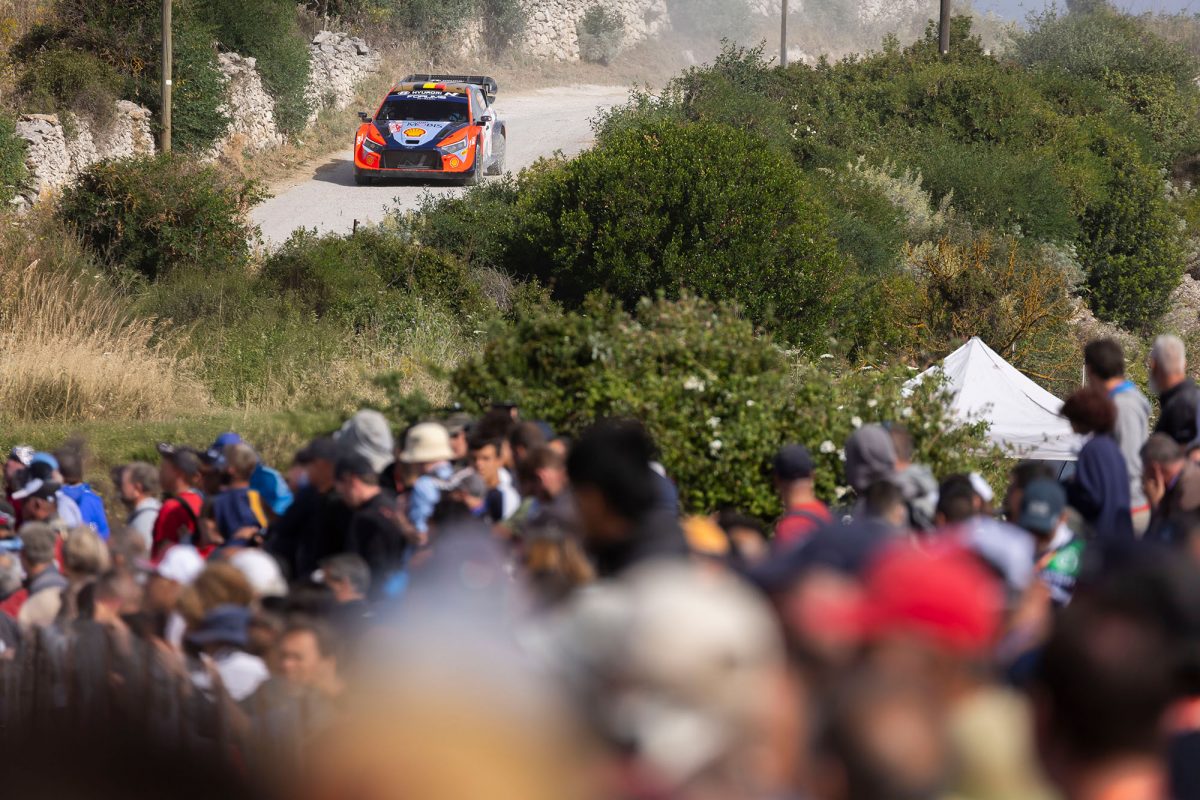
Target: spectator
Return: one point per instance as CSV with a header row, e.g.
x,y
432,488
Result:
x,y
140,489
957,502
870,456
747,535
524,438
1178,395
1099,490
349,580
308,659
1103,685
178,569
8,528
45,466
262,571
1104,366
222,637
803,513
487,460
1043,512
458,426
374,532
43,581
39,502
884,502
270,484
316,524
179,520
368,435
427,456
617,497
238,511
91,506
917,485
1171,482
12,589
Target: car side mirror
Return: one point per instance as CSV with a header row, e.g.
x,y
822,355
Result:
x,y
485,117
364,116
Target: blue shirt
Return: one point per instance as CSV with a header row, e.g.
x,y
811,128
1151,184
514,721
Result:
x,y
1100,489
426,492
272,487
91,507
234,509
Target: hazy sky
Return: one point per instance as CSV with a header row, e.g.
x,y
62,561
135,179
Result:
x,y
1017,9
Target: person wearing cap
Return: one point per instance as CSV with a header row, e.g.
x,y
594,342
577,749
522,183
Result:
x,y
269,482
368,435
426,457
39,501
43,581
803,513
177,569
179,519
238,512
43,468
316,525
1099,490
375,532
1059,552
458,425
221,636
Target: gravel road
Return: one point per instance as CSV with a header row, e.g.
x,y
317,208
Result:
x,y
539,123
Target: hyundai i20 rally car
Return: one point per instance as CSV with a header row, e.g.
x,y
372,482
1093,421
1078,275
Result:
x,y
434,127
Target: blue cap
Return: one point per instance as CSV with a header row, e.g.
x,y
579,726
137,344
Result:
x,y
1042,506
44,458
225,624
226,439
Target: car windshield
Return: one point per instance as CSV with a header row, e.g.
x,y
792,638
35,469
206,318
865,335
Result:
x,y
408,108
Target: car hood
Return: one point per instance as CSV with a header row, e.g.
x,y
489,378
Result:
x,y
415,133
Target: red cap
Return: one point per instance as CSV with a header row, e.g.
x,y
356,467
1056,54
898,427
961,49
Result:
x,y
943,595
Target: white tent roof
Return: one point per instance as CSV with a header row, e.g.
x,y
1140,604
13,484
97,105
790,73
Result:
x,y
1023,417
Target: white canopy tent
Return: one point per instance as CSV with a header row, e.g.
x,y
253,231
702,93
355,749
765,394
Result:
x,y
1023,417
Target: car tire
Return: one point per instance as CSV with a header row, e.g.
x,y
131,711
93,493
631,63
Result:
x,y
497,167
476,178
363,180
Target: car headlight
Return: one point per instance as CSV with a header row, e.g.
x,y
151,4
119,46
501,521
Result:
x,y
456,147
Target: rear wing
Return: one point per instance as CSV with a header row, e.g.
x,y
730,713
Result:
x,y
488,85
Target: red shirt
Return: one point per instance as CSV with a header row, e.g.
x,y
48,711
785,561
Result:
x,y
174,523
12,604
799,521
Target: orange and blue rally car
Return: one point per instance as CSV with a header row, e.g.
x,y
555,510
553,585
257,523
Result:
x,y
433,126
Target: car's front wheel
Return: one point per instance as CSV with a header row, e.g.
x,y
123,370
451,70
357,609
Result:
x,y
497,167
476,177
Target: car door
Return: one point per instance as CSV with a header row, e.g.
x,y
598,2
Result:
x,y
480,106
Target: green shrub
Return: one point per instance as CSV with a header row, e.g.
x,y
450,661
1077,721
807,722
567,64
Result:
x,y
718,398
269,31
475,225
503,23
125,35
600,33
12,159
359,278
157,215
668,207
54,81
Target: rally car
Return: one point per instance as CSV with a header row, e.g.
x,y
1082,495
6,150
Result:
x,y
434,127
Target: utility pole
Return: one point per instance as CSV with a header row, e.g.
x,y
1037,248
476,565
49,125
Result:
x,y
165,145
944,29
783,12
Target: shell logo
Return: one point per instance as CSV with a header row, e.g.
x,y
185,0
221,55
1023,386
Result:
x,y
414,132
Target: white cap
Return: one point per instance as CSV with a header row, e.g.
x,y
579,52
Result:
x,y
426,443
182,564
261,570
981,487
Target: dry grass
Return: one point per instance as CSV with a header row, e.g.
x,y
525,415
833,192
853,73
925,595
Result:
x,y
69,349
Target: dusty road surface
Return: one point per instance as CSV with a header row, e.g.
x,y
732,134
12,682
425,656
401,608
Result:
x,y
539,123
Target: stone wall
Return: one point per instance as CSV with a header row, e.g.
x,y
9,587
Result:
x,y
550,27
251,110
338,62
55,159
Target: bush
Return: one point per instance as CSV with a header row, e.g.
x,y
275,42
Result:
x,y
718,398
125,35
55,81
12,159
669,207
267,30
600,34
438,24
157,215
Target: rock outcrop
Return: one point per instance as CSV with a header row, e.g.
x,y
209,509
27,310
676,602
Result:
x,y
550,24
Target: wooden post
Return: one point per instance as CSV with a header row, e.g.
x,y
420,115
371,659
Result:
x,y
167,68
783,12
944,29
